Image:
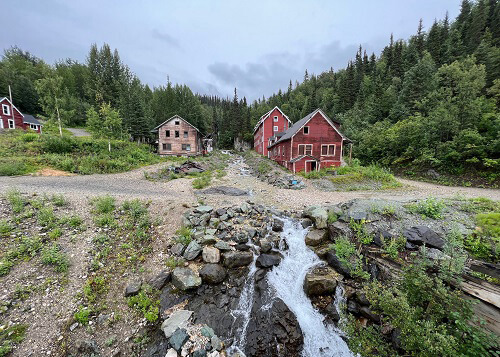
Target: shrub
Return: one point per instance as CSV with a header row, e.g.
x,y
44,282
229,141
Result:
x,y
52,255
104,204
14,168
58,200
360,232
346,251
46,217
393,246
430,207
184,235
29,137
57,144
55,233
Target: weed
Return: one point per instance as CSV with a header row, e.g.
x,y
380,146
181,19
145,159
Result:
x,y
173,262
16,201
82,315
203,180
104,204
59,200
480,205
105,220
135,209
5,228
55,233
332,217
393,246
22,292
263,168
346,251
146,302
184,235
46,217
52,255
430,207
94,287
101,239
75,221
110,341
11,336
360,232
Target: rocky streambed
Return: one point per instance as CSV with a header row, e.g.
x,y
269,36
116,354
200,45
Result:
x,y
255,281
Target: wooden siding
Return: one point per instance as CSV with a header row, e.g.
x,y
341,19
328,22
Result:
x,y
18,117
193,138
266,130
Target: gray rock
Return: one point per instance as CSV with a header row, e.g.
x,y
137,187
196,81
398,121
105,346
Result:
x,y
242,247
225,190
353,307
237,259
207,331
224,217
421,235
178,339
318,215
338,229
267,261
336,264
210,255
436,254
369,314
221,211
185,278
178,319
316,237
278,225
207,239
306,222
245,207
332,312
200,353
216,343
133,288
160,280
212,273
251,232
358,216
265,246
171,353
203,209
177,249
241,237
321,281
221,245
192,251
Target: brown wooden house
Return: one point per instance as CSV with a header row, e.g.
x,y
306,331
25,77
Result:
x,y
178,137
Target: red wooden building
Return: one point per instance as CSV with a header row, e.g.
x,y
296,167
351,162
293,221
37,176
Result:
x,y
12,118
312,143
271,126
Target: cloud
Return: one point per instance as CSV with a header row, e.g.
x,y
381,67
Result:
x,y
165,37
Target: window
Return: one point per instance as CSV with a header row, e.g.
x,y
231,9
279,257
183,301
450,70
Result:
x,y
185,134
186,147
177,133
34,126
328,150
275,128
12,125
306,130
5,109
167,133
305,149
164,146
169,147
275,119
176,122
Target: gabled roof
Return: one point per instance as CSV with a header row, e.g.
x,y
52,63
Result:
x,y
30,119
172,118
1,100
265,116
298,125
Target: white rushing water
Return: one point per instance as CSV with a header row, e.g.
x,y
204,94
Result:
x,y
287,279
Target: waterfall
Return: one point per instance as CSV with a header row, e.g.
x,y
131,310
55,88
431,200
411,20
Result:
x,y
287,279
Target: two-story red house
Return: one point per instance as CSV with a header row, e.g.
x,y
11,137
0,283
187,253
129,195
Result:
x,y
12,118
312,143
270,127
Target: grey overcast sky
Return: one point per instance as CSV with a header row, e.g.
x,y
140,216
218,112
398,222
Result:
x,y
214,46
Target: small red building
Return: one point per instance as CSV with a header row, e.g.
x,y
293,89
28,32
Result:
x,y
271,125
312,143
12,118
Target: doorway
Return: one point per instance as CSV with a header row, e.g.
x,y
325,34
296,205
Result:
x,y
311,166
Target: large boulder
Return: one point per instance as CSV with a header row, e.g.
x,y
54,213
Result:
x,y
203,209
210,255
278,225
237,259
225,190
338,229
319,216
421,235
159,280
267,261
316,237
212,273
192,250
178,249
178,319
185,278
321,281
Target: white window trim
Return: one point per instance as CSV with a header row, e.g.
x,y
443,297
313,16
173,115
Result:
x,y
34,126
305,145
304,130
5,109
305,165
13,123
275,119
275,128
328,149
1,123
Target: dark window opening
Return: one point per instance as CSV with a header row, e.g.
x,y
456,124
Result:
x,y
306,130
177,123
185,134
167,133
164,146
177,133
186,147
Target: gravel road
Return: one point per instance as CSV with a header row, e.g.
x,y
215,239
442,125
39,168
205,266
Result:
x,y
133,185
79,132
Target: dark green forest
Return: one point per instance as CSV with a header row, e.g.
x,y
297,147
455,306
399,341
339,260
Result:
x,y
430,101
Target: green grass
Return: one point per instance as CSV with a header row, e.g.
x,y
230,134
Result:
x,y
104,204
173,262
82,315
16,200
431,207
105,220
184,235
203,180
46,217
59,200
146,302
55,233
22,153
480,205
5,228
348,255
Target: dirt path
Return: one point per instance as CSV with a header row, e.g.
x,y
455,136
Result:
x,y
79,132
133,185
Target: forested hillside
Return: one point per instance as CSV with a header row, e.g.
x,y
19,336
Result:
x,y
429,101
